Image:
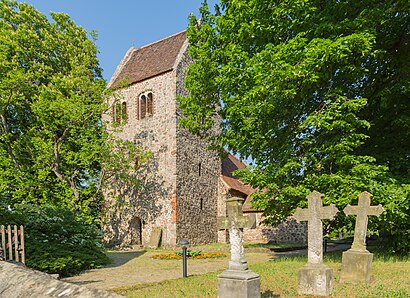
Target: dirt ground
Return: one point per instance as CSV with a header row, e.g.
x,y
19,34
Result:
x,y
132,267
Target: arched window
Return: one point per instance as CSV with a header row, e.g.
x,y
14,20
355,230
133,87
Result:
x,y
143,106
119,112
150,104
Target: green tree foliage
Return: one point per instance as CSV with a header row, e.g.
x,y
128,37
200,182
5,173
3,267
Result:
x,y
316,93
56,239
53,149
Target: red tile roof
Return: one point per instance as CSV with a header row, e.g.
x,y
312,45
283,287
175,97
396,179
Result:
x,y
230,164
151,60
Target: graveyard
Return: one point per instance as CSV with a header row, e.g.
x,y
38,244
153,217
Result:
x,y
260,151
278,276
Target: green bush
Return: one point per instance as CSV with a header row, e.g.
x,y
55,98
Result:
x,y
189,253
56,239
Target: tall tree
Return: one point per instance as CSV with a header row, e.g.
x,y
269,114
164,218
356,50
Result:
x,y
316,93
52,95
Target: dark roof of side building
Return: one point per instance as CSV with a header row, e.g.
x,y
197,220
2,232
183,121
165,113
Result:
x,y
150,60
230,164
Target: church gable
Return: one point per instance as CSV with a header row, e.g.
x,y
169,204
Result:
x,y
149,61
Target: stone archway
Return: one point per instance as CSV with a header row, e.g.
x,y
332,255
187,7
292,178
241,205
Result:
x,y
135,231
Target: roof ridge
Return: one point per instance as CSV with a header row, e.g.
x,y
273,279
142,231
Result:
x,y
160,40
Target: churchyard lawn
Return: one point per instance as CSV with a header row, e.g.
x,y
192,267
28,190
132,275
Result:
x,y
279,278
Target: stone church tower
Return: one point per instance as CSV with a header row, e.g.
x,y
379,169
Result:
x,y
184,185
179,191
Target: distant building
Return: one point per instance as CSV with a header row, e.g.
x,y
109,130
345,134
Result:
x,y
185,185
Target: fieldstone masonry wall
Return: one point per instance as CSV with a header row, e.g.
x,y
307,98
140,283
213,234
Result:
x,y
151,203
198,170
290,231
223,194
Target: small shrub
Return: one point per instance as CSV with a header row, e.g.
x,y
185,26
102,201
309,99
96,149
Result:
x,y
189,253
56,239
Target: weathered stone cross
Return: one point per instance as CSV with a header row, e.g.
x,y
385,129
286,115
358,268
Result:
x,y
363,210
235,222
314,215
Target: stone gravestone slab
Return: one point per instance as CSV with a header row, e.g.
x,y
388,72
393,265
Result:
x,y
357,261
237,281
155,238
315,278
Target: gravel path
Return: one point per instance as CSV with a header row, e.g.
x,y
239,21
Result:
x,y
132,267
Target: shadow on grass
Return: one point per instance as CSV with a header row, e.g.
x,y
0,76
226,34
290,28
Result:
x,y
335,256
379,254
269,294
82,283
119,258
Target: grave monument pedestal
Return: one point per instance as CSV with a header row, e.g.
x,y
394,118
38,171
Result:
x,y
238,284
357,261
237,281
315,279
356,266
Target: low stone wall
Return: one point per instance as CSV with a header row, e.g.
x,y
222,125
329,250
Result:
x,y
20,282
290,231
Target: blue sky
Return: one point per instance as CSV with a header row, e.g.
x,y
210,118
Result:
x,y
124,23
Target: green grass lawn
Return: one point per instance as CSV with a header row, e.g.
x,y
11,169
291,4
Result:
x,y
279,278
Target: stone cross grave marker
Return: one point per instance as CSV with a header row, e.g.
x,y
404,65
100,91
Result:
x,y
235,222
314,215
362,210
238,281
357,261
315,278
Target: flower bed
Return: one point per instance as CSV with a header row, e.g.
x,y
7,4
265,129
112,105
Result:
x,y
192,254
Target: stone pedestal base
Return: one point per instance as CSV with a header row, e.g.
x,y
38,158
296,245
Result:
x,y
356,266
315,280
238,284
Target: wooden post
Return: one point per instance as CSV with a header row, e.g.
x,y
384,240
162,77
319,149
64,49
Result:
x,y
3,241
22,251
9,243
16,244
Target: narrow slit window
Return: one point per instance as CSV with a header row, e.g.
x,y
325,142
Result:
x,y
113,112
201,204
124,115
117,112
199,169
137,161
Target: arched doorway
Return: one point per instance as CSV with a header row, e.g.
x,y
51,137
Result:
x,y
135,231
